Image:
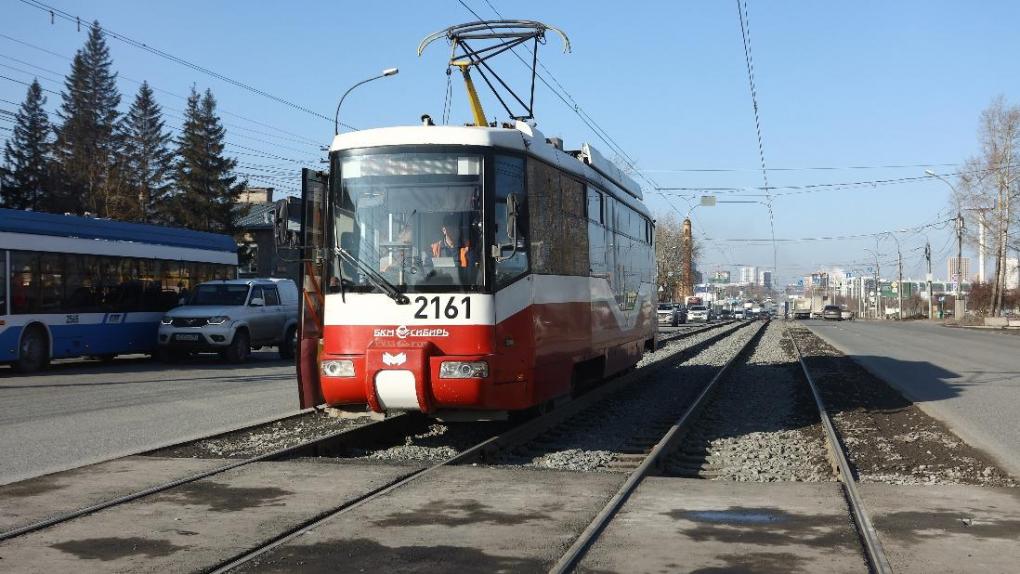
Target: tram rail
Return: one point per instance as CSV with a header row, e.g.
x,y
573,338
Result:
x,y
390,429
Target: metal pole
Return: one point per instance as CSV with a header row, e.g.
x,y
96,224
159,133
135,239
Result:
x,y
959,263
899,287
931,301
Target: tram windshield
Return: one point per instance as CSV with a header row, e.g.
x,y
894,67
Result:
x,y
413,219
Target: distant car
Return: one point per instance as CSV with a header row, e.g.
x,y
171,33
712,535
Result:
x,y
738,314
698,314
670,314
832,313
846,315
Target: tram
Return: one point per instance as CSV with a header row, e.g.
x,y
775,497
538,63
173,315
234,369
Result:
x,y
470,269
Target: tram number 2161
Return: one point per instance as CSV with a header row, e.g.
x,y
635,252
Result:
x,y
433,307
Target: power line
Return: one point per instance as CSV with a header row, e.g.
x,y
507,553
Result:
x,y
816,187
157,89
813,168
570,102
177,60
745,33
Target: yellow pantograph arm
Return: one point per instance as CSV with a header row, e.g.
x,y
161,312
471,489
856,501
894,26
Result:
x,y
476,104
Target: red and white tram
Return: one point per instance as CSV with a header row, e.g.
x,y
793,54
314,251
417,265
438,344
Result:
x,y
470,269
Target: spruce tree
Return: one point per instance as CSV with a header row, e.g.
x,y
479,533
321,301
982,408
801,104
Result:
x,y
87,144
148,161
27,155
206,190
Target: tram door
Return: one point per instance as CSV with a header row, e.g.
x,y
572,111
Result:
x,y
313,260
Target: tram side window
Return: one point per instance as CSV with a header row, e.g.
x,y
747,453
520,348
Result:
x,y
597,244
559,239
512,261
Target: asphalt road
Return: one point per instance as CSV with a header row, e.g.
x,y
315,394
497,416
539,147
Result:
x,y
80,412
968,379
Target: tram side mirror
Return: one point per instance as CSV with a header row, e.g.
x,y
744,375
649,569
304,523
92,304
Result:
x,y
511,217
281,219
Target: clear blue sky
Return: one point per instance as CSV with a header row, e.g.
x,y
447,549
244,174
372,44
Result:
x,y
839,84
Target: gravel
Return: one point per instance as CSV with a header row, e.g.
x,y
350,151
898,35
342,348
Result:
x,y
625,423
440,442
264,438
761,424
888,439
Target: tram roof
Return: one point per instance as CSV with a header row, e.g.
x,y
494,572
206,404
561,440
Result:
x,y
523,137
56,225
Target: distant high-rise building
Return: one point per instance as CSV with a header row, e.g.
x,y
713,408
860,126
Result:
x,y
765,279
964,268
748,275
1012,273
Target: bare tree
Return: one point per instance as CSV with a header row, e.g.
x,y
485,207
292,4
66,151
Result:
x,y
988,184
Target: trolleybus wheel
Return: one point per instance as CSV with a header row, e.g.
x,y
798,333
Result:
x,y
288,347
239,348
33,352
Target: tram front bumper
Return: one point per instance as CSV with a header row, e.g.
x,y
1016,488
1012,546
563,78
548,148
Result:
x,y
412,379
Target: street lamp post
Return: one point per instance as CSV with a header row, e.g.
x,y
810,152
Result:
x,y
385,74
899,283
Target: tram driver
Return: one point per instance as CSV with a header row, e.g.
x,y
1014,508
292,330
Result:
x,y
452,244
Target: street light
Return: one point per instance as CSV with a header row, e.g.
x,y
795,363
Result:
x,y
336,120
899,283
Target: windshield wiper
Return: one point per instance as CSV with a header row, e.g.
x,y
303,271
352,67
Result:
x,y
381,282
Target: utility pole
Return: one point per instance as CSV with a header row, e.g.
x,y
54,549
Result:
x,y
899,283
961,301
931,305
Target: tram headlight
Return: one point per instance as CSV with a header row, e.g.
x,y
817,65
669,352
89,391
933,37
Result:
x,y
166,320
218,320
338,368
463,370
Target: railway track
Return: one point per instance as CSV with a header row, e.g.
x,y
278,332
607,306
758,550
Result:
x,y
490,449
658,455
360,439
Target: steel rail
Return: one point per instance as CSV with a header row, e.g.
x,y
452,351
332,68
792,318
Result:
x,y
877,559
376,426
570,559
382,427
517,435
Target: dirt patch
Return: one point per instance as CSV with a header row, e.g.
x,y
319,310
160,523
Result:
x,y
887,438
264,438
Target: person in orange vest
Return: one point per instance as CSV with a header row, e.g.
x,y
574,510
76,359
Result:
x,y
451,246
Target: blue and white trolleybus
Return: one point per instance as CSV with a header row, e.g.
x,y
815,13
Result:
x,y
79,286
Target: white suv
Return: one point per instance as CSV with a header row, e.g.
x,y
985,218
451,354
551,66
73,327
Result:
x,y
230,317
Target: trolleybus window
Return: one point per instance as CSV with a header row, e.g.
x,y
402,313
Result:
x,y
414,218
3,283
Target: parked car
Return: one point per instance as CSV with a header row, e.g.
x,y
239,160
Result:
x,y
231,317
670,314
698,314
846,315
832,313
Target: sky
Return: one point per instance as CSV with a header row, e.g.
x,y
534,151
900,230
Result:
x,y
860,85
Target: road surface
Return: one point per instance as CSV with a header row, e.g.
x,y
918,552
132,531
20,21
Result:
x,y
81,412
968,379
